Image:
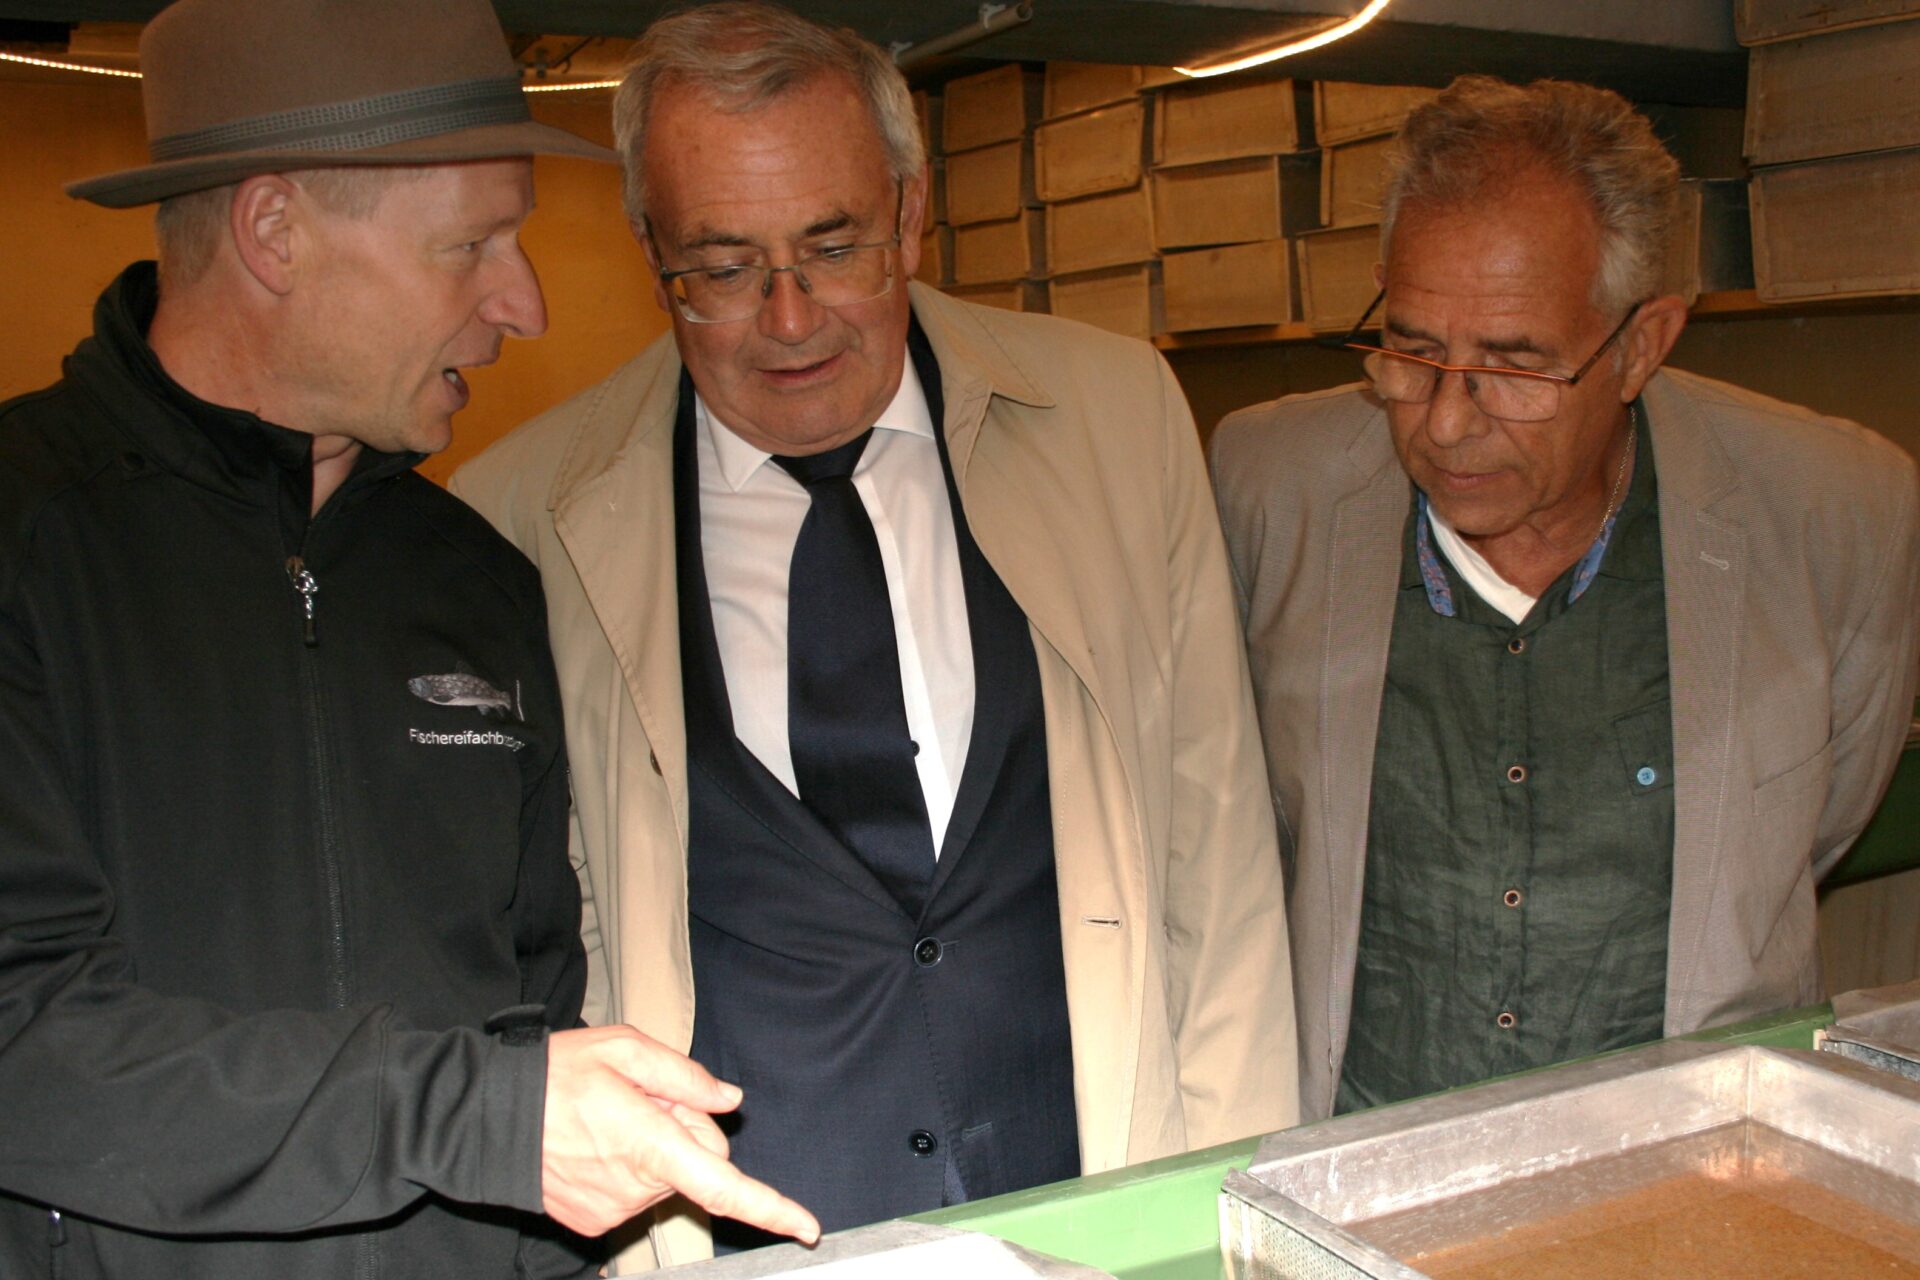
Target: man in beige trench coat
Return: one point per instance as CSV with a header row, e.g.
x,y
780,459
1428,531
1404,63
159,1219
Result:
x,y
776,180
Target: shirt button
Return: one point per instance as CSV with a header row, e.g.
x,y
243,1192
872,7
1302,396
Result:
x,y
922,1143
926,952
1516,773
1506,1020
1511,897
1517,645
1647,776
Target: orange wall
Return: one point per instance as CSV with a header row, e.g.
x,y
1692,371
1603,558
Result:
x,y
60,253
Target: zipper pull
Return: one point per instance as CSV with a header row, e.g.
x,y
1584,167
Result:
x,y
303,582
56,1228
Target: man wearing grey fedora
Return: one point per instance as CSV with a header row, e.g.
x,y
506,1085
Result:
x,y
290,970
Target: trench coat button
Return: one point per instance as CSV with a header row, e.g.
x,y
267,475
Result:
x,y
1517,645
922,1143
926,952
1511,897
1507,1021
1517,773
654,760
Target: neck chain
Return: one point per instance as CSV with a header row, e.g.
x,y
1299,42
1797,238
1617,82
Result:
x,y
1620,472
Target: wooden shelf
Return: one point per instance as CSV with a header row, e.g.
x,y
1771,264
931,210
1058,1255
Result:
x,y
1734,304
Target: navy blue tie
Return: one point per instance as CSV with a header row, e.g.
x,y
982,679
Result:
x,y
846,715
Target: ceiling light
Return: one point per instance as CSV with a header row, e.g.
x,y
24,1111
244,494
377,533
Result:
x,y
66,66
1326,37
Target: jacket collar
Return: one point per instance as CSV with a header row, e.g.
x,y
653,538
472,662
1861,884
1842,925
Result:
x,y
229,451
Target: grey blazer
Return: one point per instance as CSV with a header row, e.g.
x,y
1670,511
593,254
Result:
x,y
1791,546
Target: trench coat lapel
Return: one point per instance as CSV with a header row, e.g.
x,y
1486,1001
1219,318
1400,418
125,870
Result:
x,y
618,479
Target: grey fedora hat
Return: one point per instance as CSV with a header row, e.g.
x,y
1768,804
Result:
x,y
239,87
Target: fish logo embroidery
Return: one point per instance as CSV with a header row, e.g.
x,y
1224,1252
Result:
x,y
462,689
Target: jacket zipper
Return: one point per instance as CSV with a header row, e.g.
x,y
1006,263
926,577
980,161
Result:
x,y
304,583
56,1240
307,587
366,1263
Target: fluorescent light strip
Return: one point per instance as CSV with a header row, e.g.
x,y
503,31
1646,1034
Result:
x,y
1315,41
66,66
56,65
568,88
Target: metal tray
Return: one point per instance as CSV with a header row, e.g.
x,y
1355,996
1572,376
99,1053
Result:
x,y
1374,1193
1879,1026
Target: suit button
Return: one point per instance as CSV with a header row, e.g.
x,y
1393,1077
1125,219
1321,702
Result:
x,y
654,760
1517,773
1517,645
926,952
1507,1021
922,1143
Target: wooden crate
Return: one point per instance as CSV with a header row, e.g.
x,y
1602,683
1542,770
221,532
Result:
x,y
1846,227
1347,112
1014,295
1226,288
1228,118
993,106
1081,86
1124,300
1336,276
991,183
1107,230
1353,177
926,109
1235,201
936,256
1711,248
1761,21
1834,95
998,252
1095,151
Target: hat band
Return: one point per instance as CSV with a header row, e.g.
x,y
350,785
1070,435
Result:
x,y
359,124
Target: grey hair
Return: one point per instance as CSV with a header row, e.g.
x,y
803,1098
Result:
x,y
1467,144
744,54
189,227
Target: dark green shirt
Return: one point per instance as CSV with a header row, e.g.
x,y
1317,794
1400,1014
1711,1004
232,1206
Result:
x,y
1520,834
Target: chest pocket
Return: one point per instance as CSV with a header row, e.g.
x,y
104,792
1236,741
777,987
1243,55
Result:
x,y
1643,739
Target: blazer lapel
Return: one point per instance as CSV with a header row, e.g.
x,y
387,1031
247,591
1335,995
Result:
x,y
1362,574
997,652
1704,557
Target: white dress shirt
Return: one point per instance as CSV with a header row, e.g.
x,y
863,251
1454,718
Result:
x,y
750,516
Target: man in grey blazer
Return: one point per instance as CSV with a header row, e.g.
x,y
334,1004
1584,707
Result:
x,y
1575,675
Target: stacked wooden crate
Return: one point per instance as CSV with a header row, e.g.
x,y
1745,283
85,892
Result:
x,y
936,234
998,228
1233,176
1833,132
1356,124
1090,170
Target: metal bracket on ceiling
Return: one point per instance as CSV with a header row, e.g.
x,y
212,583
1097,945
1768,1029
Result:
x,y
992,20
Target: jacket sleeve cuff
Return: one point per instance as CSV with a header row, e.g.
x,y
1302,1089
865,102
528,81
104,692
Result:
x,y
514,1085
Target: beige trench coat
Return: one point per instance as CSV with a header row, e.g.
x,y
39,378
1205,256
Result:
x,y
1080,474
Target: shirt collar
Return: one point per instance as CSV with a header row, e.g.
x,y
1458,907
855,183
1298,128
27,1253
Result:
x,y
739,461
1637,558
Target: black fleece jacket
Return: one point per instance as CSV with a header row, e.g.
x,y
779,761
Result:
x,y
265,880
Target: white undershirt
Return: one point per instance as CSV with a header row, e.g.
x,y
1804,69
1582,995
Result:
x,y
1485,580
750,516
